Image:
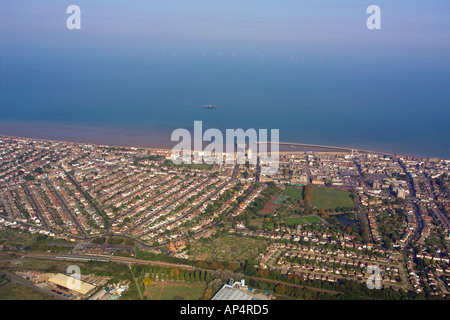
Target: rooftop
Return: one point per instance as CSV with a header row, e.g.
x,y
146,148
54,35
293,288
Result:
x,y
229,293
73,284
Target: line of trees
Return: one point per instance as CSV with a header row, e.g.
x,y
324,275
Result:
x,y
171,274
308,191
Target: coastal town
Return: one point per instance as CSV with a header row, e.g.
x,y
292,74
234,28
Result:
x,y
327,218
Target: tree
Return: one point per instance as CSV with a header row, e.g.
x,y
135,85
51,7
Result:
x,y
307,194
280,289
298,292
208,294
216,265
202,276
348,230
323,214
264,273
232,266
250,270
387,243
28,177
147,281
202,264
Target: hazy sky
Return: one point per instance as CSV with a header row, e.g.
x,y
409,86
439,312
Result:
x,y
248,24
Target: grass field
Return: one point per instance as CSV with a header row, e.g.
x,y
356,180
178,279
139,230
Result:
x,y
227,248
294,192
167,290
12,237
327,198
258,223
278,199
18,291
295,220
312,219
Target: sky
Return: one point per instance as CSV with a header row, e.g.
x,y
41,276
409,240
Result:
x,y
251,24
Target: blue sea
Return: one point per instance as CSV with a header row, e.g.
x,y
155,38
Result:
x,y
138,95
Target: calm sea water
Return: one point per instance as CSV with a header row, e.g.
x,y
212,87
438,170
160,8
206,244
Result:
x,y
138,97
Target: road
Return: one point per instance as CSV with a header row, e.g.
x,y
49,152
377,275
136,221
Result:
x,y
233,176
362,215
444,220
417,212
7,207
36,207
88,198
156,212
135,282
84,235
16,279
63,203
144,203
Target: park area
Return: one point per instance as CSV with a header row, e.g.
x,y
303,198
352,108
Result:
x,y
303,220
313,219
227,248
295,220
321,197
328,198
294,192
304,202
168,290
272,206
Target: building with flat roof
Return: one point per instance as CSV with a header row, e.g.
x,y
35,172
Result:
x,y
73,285
228,292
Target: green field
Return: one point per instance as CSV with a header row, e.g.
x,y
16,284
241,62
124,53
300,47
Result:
x,y
198,166
168,290
258,223
327,198
13,237
278,199
312,219
295,193
230,248
18,291
295,220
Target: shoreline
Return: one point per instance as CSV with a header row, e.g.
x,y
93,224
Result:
x,y
308,147
149,138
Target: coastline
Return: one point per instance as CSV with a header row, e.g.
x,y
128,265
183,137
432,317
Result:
x,y
140,138
99,135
